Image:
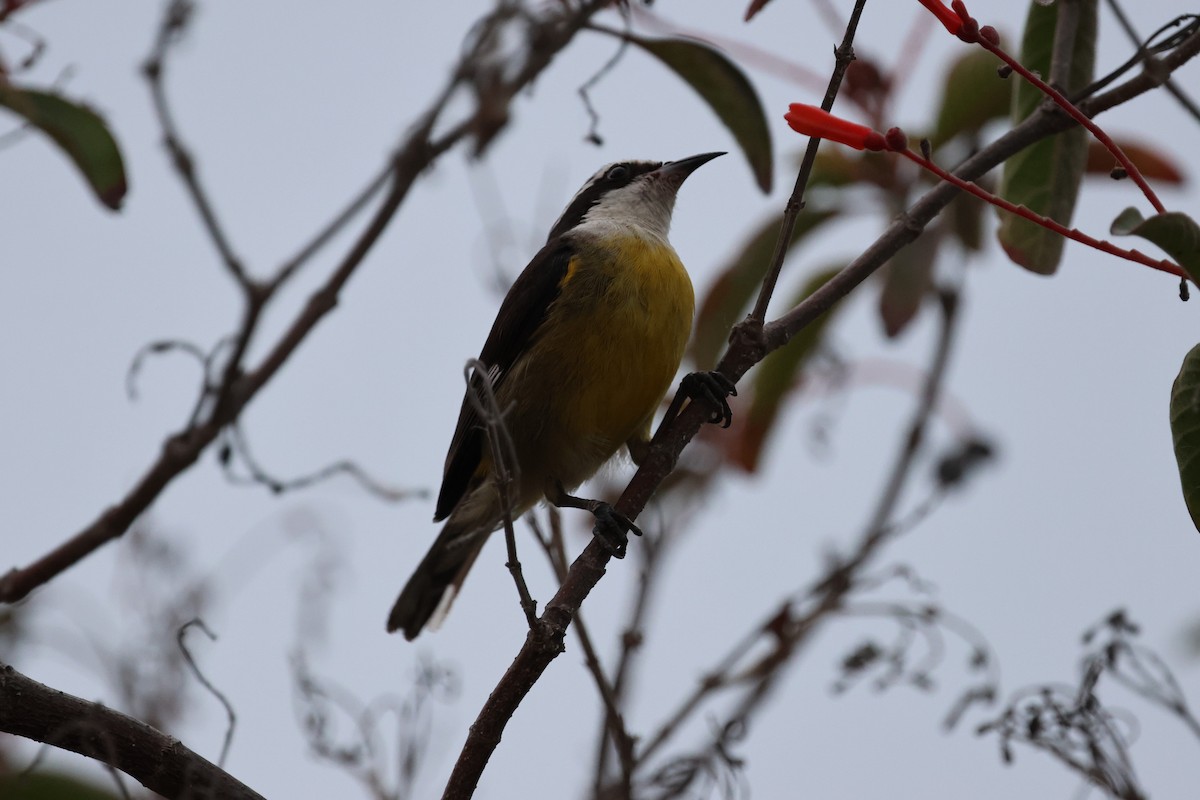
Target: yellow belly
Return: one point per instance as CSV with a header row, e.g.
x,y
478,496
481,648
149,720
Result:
x,y
609,351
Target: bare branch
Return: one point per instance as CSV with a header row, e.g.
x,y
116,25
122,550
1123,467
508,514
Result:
x,y
174,23
844,55
337,224
614,722
748,345
545,37
160,762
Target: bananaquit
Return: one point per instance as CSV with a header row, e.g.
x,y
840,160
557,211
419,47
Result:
x,y
581,354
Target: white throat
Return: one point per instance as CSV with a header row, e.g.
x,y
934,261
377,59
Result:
x,y
641,207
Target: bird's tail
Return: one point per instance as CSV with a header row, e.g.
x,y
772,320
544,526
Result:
x,y
426,598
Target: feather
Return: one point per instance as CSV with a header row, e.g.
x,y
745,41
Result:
x,y
516,326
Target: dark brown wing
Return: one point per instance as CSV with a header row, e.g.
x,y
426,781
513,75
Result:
x,y
522,312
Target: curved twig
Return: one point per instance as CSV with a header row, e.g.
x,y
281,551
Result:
x,y
230,714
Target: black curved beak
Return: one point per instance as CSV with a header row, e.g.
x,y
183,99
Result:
x,y
679,170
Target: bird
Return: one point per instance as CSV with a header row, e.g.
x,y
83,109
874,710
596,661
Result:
x,y
581,354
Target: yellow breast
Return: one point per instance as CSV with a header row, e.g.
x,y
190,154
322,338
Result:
x,y
613,340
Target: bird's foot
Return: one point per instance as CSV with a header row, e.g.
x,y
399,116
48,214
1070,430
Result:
x,y
612,528
712,388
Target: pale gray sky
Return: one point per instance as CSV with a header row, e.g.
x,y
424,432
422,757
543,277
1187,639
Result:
x,y
289,108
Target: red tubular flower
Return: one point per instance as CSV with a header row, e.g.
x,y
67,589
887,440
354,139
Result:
x,y
814,121
951,20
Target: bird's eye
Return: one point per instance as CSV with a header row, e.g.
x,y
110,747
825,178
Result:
x,y
619,172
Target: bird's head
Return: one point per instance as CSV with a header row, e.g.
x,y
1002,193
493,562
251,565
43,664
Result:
x,y
630,194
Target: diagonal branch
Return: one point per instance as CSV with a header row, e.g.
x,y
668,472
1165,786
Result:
x,y
546,37
163,765
788,631
749,344
614,721
1037,126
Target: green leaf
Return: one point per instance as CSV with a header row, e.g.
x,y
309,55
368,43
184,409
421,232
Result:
x,y
1126,222
907,278
777,376
727,301
972,96
724,87
1175,232
1046,176
81,134
1185,430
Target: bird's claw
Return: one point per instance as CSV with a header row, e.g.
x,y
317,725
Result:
x,y
612,528
713,388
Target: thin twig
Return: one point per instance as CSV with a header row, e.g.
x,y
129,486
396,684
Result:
x,y
878,527
843,56
716,678
230,714
1074,234
365,751
505,470
614,721
254,294
1146,54
159,348
593,134
1171,85
960,627
418,151
651,552
234,448
332,228
1072,724
175,21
